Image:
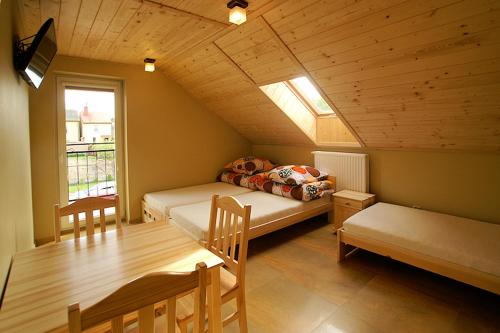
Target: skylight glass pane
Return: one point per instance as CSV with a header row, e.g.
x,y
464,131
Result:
x,y
311,95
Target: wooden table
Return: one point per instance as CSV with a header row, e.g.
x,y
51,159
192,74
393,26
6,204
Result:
x,y
45,280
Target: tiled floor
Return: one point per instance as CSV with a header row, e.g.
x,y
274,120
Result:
x,y
294,284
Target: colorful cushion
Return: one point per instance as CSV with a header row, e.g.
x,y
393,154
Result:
x,y
304,192
249,165
296,174
242,179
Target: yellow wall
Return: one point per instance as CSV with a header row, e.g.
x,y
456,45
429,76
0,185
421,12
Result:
x,y
16,223
463,184
172,141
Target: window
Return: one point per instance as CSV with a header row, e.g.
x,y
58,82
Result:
x,y
302,93
309,94
90,137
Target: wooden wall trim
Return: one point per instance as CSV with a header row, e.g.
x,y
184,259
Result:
x,y
234,64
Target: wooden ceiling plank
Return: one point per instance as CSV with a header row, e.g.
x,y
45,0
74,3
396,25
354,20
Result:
x,y
234,64
485,47
344,27
69,14
294,59
104,17
389,34
252,15
86,17
50,9
29,10
452,35
125,13
189,14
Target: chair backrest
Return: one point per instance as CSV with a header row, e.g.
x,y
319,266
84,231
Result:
x,y
229,226
87,206
141,295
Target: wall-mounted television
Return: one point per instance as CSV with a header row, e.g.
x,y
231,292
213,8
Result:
x,y
33,59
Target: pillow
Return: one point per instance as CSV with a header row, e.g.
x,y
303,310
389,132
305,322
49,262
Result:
x,y
239,179
296,174
249,165
304,192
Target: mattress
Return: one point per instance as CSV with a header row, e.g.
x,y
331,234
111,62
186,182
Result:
x,y
194,219
459,240
164,201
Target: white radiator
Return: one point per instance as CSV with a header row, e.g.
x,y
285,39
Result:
x,y
351,170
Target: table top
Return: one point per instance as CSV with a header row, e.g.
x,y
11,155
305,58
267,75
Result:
x,y
43,281
353,195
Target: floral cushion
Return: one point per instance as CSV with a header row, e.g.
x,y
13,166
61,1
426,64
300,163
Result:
x,y
242,179
249,165
304,192
296,174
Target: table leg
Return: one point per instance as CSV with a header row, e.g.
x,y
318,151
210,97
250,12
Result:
x,y
214,302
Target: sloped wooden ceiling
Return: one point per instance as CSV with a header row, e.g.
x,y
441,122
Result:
x,y
402,74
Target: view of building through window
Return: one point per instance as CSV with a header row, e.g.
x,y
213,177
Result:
x,y
90,142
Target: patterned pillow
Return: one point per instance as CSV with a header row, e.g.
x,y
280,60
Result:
x,y
296,174
304,192
239,179
249,165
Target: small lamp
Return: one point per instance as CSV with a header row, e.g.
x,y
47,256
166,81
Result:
x,y
237,12
149,65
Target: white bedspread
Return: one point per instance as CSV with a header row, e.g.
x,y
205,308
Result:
x,y
194,219
164,201
459,240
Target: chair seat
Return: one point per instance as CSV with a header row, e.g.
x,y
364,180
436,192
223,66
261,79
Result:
x,y
185,304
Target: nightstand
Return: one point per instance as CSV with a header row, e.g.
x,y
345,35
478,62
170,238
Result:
x,y
347,203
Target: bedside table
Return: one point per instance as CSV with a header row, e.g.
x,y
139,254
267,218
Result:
x,y
347,203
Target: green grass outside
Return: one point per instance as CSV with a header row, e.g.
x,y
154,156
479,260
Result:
x,y
81,187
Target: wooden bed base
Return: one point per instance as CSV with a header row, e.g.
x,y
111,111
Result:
x,y
468,275
149,214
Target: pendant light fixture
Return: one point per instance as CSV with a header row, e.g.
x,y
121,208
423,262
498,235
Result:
x,y
237,12
149,65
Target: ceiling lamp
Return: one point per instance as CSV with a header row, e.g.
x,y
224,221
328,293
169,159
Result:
x,y
237,13
149,65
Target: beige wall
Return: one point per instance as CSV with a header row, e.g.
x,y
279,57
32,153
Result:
x,y
172,141
463,184
16,224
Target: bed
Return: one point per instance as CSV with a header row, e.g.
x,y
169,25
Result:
x,y
188,207
269,213
156,206
462,249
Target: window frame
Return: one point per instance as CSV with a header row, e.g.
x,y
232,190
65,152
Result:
x,y
309,105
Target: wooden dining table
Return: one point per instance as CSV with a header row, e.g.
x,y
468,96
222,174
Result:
x,y
43,281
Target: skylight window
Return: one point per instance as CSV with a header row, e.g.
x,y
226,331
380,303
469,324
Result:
x,y
310,95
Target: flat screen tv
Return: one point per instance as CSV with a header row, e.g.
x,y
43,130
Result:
x,y
33,60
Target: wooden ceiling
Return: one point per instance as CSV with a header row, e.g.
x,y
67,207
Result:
x,y
401,74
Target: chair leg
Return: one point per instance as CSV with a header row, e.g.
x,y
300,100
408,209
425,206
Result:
x,y
183,326
242,311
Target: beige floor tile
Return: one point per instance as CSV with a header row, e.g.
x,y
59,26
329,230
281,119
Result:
x,y
283,306
392,307
342,321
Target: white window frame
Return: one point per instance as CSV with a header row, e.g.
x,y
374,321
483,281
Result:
x,y
67,81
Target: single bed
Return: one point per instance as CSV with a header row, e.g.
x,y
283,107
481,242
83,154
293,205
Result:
x,y
269,213
157,205
463,249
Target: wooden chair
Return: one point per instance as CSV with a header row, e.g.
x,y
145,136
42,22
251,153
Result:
x,y
87,206
223,236
142,294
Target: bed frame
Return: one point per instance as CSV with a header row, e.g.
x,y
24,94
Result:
x,y
150,214
348,243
